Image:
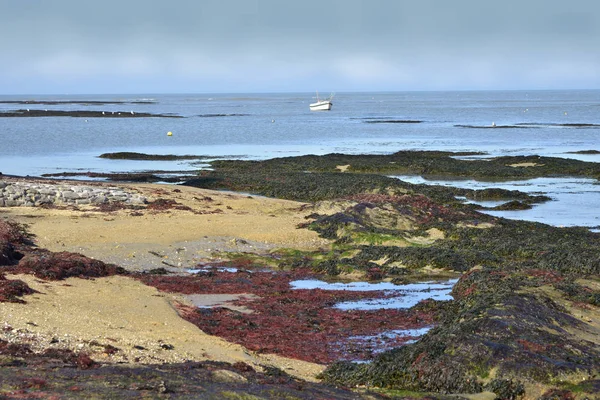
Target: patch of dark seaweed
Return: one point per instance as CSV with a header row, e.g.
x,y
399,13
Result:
x,y
512,206
516,126
423,163
147,157
12,289
369,118
314,187
566,125
527,244
377,214
411,258
58,266
13,232
503,194
83,114
393,121
584,152
84,102
488,327
518,255
579,293
13,236
149,177
221,115
58,373
167,204
291,185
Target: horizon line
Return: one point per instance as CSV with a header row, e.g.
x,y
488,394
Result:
x,y
297,92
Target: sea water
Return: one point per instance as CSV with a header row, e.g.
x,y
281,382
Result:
x,y
400,296
261,126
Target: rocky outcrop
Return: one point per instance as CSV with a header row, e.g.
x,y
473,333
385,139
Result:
x,y
29,194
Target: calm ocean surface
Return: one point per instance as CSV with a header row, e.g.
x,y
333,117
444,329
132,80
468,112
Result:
x,y
260,126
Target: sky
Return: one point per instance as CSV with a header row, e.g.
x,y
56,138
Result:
x,y
248,46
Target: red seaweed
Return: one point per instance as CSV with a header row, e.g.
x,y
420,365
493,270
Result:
x,y
57,266
301,324
11,289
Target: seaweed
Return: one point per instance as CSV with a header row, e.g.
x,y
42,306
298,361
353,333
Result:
x,y
58,266
425,163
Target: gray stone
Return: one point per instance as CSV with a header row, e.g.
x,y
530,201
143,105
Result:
x,y
99,200
137,199
118,198
69,195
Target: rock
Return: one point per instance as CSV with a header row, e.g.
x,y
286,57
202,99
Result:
x,y
226,376
15,194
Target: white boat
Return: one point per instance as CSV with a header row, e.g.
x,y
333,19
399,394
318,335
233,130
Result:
x,y
321,104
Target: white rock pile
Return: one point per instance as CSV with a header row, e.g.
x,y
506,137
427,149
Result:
x,y
29,194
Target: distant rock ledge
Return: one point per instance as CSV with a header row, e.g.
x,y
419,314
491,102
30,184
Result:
x,y
27,113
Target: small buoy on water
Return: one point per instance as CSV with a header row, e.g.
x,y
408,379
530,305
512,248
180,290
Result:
x,y
493,124
169,133
103,113
565,113
132,113
272,120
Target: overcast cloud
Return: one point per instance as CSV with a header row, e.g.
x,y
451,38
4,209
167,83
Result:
x,y
135,46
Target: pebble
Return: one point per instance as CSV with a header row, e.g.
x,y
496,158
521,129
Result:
x,y
29,194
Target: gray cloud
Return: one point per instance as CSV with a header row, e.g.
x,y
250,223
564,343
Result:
x,y
265,45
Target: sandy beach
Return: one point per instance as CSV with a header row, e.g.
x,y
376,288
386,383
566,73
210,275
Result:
x,y
528,289
82,314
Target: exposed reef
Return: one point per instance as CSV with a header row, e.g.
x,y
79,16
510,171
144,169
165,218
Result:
x,y
27,113
393,121
222,115
126,155
82,102
425,163
148,176
530,125
584,152
525,319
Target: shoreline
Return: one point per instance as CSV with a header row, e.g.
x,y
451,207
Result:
x,y
528,289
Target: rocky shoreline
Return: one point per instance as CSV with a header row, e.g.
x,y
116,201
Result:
x,y
524,322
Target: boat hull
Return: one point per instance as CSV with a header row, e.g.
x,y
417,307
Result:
x,y
320,106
